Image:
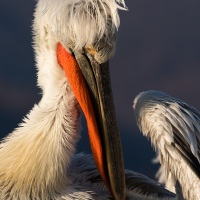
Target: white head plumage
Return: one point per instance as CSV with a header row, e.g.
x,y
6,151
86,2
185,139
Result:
x,y
95,19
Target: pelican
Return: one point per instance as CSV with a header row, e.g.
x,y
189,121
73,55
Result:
x,y
174,129
73,41
37,159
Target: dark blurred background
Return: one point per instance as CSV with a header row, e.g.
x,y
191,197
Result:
x,y
158,48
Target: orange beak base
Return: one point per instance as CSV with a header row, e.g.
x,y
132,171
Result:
x,y
103,134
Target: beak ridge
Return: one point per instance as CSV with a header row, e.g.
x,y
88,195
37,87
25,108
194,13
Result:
x,y
97,77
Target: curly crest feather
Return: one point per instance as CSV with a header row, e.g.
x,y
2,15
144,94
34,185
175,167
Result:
x,y
94,19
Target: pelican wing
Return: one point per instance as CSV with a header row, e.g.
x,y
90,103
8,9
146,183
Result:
x,y
84,174
172,125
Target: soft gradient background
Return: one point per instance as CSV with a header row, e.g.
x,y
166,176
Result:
x,y
158,48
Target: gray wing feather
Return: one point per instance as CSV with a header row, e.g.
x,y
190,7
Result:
x,y
145,186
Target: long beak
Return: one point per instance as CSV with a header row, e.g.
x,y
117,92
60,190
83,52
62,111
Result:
x,y
97,77
105,141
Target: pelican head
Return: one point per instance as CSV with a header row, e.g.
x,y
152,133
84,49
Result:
x,y
79,25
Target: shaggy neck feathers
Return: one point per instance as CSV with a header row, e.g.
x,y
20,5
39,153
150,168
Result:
x,y
35,157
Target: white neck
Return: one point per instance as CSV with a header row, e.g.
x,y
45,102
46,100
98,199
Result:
x,y
34,158
189,182
181,176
